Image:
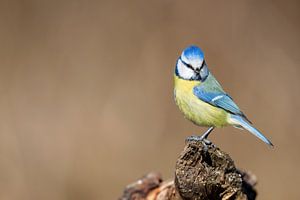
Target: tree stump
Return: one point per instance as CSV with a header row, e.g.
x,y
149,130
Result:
x,y
202,172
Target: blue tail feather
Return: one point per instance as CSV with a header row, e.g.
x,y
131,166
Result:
x,y
238,120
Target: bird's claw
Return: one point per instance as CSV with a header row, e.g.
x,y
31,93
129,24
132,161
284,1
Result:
x,y
198,139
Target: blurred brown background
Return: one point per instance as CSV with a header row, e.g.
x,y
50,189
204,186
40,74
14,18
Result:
x,y
86,102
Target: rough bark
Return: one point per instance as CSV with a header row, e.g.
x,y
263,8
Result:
x,y
202,172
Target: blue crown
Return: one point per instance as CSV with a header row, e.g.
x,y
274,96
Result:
x,y
193,52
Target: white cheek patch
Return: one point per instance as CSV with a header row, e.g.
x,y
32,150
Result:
x,y
184,71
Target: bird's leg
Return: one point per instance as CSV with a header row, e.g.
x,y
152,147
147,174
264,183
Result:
x,y
203,137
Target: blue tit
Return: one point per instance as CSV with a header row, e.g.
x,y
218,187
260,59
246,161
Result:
x,y
201,98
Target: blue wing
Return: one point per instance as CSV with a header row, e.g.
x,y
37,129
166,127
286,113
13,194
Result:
x,y
210,91
218,99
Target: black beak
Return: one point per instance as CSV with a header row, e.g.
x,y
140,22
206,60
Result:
x,y
197,76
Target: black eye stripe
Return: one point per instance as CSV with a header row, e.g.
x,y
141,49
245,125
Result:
x,y
188,65
203,63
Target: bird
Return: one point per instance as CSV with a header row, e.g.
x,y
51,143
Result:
x,y
201,98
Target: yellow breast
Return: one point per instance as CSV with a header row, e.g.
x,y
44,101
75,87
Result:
x,y
194,109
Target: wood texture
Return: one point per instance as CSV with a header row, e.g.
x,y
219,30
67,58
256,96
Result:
x,y
202,172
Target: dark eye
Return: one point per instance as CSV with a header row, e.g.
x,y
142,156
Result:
x,y
189,66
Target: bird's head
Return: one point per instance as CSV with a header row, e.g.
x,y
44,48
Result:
x,y
191,64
